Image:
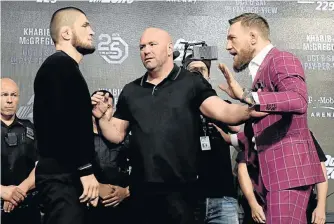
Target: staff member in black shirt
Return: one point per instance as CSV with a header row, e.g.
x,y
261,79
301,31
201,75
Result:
x,y
216,181
63,121
111,170
18,158
161,109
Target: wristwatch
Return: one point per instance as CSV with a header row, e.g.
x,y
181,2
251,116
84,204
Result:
x,y
247,94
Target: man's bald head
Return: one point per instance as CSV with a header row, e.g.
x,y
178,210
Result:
x,y
156,49
158,33
63,17
9,98
8,83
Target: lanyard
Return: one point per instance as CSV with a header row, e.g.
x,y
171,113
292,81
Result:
x,y
203,124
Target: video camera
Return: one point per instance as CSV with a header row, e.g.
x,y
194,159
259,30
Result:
x,y
200,51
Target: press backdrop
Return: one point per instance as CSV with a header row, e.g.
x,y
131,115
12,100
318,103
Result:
x,y
304,28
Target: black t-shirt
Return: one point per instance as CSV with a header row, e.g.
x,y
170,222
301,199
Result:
x,y
253,171
111,165
18,151
62,117
215,174
320,152
165,126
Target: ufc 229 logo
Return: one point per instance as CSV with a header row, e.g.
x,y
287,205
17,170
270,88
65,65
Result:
x,y
113,48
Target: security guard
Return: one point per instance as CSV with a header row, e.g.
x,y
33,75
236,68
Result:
x,y
18,158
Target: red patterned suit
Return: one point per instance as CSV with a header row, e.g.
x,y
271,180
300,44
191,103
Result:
x,y
288,160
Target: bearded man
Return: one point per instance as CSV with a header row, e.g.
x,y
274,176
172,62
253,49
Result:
x,y
62,117
288,161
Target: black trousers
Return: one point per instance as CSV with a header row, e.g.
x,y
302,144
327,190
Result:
x,y
59,196
29,215
167,207
115,215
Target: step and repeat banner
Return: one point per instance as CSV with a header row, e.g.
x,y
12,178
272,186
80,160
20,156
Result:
x,y
305,28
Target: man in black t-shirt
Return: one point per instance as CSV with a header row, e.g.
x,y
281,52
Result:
x,y
316,210
112,172
63,122
161,109
216,181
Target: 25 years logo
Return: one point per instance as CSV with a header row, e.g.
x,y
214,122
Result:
x,y
113,49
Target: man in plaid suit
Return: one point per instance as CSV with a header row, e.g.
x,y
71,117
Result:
x,y
288,160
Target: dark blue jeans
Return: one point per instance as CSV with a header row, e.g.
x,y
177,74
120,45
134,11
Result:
x,y
221,211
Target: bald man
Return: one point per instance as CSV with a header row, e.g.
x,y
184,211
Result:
x,y
62,117
161,109
18,157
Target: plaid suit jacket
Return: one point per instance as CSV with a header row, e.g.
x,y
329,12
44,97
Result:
x,y
287,155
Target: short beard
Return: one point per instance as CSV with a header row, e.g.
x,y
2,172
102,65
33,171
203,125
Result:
x,y
85,49
81,47
245,57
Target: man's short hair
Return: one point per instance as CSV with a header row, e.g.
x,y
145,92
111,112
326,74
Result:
x,y
58,20
189,59
104,93
253,20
